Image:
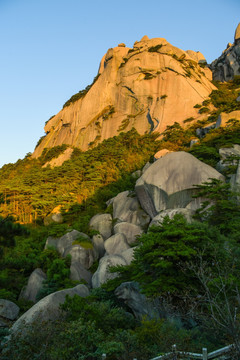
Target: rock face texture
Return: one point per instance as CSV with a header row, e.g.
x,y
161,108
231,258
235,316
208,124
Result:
x,y
103,224
169,182
48,307
63,243
33,286
8,309
228,64
102,274
130,293
147,87
126,208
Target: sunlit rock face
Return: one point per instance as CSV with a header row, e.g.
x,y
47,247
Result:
x,y
147,87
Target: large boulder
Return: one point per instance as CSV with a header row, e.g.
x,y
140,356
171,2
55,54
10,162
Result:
x,y
8,309
79,273
48,308
170,182
102,274
65,241
130,231
103,224
158,219
116,244
34,285
130,293
126,208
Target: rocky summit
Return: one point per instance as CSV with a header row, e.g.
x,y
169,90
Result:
x,y
227,65
148,87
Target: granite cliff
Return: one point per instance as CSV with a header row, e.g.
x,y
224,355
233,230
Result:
x,y
228,64
149,87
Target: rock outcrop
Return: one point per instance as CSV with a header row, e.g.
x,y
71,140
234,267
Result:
x,y
147,87
65,241
126,208
237,35
103,224
8,309
170,182
130,293
33,286
48,308
228,64
103,274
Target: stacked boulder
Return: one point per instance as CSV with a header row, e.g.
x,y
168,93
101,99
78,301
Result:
x,y
165,187
129,221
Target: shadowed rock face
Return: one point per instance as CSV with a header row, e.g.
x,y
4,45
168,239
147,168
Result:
x,y
147,87
228,64
48,308
169,183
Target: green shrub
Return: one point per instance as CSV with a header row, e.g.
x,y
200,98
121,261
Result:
x,y
155,48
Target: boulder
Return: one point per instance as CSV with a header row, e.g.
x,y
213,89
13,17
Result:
x,y
98,245
161,153
48,307
79,273
235,180
8,309
227,157
128,255
158,219
170,182
144,38
130,231
130,293
136,174
197,56
55,216
64,242
102,274
34,285
82,255
146,166
116,244
126,208
103,224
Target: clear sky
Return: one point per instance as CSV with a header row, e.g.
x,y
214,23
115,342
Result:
x,y
51,49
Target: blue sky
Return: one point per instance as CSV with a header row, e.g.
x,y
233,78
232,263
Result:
x,y
51,49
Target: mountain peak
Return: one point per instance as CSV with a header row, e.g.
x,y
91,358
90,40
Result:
x,y
148,87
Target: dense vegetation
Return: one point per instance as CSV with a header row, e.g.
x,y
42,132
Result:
x,y
193,269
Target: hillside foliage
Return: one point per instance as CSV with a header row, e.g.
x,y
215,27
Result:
x,y
193,268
